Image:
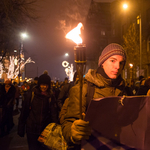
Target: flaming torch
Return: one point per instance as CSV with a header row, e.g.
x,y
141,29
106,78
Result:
x,y
80,56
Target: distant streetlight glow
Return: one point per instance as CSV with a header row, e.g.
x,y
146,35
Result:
x,y
131,65
66,54
125,6
24,35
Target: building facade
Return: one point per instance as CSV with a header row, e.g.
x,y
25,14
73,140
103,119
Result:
x,y
109,22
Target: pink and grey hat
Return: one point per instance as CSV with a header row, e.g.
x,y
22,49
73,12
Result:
x,y
110,50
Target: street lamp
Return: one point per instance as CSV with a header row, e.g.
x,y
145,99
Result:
x,y
139,21
23,36
131,72
66,54
125,6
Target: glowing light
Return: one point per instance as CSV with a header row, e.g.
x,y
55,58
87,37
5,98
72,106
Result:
x,y
24,35
1,70
65,63
131,65
74,34
13,67
66,54
125,6
15,61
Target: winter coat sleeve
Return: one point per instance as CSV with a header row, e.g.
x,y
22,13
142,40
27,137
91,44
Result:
x,y
73,111
24,114
63,111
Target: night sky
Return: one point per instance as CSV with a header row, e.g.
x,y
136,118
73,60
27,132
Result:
x,y
46,44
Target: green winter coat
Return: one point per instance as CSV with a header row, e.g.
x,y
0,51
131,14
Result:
x,y
103,88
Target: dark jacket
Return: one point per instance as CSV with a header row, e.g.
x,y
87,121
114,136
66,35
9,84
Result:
x,y
142,90
7,99
38,113
103,88
64,93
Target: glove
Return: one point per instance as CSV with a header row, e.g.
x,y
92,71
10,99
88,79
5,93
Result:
x,y
80,129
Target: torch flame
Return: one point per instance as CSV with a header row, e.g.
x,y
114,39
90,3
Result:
x,y
74,34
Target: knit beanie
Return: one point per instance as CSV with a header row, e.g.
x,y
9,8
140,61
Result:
x,y
44,79
110,50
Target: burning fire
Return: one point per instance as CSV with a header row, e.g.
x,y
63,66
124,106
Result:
x,y
75,33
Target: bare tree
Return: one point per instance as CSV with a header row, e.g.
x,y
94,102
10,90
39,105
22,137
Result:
x,y
131,44
14,16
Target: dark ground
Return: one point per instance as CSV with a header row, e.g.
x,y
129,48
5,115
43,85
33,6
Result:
x,y
12,141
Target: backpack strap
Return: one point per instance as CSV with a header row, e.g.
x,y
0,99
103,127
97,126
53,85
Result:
x,y
90,93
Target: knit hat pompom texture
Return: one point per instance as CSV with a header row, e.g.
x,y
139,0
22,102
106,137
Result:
x,y
110,50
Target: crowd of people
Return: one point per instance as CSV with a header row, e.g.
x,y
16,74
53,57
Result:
x,y
45,101
43,92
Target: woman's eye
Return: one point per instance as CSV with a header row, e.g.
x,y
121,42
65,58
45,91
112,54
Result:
x,y
112,60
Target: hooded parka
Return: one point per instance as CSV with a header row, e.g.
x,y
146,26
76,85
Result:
x,y
103,88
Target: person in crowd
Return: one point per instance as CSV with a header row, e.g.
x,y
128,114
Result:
x,y
133,87
145,86
141,79
52,86
45,72
24,88
66,81
107,81
56,89
7,98
63,105
37,112
34,83
128,89
17,94
64,93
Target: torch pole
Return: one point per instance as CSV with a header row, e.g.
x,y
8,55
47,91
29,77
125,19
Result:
x,y
80,60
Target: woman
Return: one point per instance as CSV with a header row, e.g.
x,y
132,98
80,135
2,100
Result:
x,y
38,111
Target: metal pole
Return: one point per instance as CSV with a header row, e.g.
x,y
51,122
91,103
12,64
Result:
x,y
80,59
19,63
20,51
81,85
140,24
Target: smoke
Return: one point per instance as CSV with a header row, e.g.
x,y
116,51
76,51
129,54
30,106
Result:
x,y
71,13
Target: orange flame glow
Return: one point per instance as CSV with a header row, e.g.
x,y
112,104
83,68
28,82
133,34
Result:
x,y
74,34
